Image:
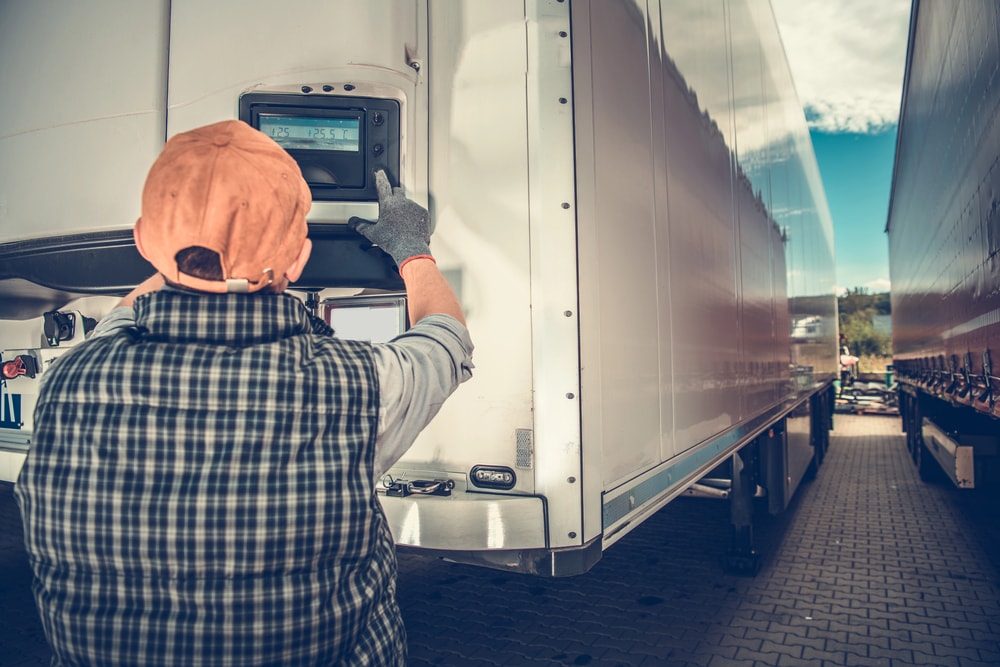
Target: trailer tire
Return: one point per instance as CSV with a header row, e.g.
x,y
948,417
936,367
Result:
x,y
913,447
912,424
813,469
927,467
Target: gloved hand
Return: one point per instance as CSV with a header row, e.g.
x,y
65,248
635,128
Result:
x,y
403,227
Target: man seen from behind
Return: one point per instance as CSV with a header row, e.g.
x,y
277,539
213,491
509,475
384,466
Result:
x,y
201,482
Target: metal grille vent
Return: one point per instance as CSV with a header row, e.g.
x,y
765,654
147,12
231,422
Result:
x,y
525,448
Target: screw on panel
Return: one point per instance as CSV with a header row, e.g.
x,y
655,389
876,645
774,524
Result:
x,y
565,204
570,395
563,100
568,313
348,87
572,535
571,480
327,88
307,89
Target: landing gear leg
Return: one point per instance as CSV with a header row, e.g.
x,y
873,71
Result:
x,y
742,558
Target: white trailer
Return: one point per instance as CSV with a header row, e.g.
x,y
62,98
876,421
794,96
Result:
x,y
625,198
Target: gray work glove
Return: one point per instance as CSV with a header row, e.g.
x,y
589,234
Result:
x,y
403,228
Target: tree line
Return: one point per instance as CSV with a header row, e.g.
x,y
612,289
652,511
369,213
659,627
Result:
x,y
858,309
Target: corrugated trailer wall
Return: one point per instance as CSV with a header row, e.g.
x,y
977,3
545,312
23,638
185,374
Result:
x,y
714,224
944,215
703,235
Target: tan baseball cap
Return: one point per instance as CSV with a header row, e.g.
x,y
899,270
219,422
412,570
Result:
x,y
231,189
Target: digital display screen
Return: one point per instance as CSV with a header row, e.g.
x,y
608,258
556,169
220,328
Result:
x,y
314,133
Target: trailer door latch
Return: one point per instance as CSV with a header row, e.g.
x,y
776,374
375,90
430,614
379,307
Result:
x,y
401,488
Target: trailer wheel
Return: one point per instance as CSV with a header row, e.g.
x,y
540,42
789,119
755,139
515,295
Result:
x,y
813,469
912,446
912,422
904,415
927,467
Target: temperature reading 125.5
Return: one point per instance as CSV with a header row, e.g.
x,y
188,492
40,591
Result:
x,y
312,133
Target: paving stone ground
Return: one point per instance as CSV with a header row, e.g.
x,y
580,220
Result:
x,y
870,566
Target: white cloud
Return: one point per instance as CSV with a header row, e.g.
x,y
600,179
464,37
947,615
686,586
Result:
x,y
847,58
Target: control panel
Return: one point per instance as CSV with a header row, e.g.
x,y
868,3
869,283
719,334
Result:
x,y
339,141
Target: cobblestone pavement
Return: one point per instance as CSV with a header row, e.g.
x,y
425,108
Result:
x,y
869,566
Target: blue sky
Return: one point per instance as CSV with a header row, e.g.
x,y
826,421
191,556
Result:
x,y
857,177
847,58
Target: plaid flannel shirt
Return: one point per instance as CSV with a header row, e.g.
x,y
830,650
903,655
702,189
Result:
x,y
199,490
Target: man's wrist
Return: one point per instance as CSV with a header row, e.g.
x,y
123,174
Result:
x,y
414,257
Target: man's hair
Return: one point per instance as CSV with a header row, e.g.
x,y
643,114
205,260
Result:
x,y
200,263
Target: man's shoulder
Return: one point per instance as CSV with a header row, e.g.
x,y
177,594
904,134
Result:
x,y
82,363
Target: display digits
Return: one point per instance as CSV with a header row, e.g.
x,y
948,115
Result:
x,y
337,134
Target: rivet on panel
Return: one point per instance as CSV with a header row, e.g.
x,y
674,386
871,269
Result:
x,y
570,395
568,313
572,535
571,480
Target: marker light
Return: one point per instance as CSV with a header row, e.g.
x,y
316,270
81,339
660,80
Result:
x,y
493,477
